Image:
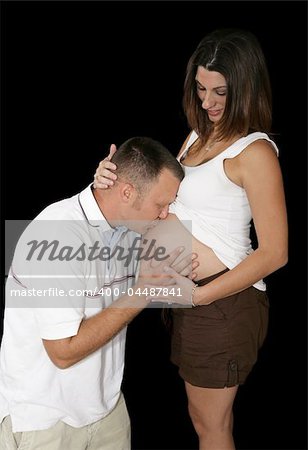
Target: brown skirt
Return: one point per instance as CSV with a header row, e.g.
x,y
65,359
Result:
x,y
217,345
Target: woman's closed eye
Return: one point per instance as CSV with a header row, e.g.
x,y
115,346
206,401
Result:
x,y
222,93
200,87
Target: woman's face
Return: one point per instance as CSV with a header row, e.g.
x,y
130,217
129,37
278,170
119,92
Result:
x,y
212,91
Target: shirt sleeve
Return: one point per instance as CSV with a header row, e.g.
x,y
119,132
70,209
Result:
x,y
50,268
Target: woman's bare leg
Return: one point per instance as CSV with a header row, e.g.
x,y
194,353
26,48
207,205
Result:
x,y
211,413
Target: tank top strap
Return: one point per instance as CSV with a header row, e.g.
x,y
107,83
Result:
x,y
238,146
192,138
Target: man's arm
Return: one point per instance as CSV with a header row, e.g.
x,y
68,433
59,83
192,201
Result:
x,y
95,331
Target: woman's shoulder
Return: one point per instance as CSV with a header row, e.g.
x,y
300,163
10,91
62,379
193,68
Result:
x,y
253,142
260,143
258,156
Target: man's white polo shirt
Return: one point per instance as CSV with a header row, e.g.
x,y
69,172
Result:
x,y
48,298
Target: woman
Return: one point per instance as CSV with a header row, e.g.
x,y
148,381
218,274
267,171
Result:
x,y
232,176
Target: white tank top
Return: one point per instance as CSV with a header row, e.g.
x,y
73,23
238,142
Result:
x,y
216,209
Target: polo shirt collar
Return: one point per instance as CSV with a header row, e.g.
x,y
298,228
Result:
x,y
91,210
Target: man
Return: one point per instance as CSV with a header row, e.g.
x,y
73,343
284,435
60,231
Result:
x,y
62,352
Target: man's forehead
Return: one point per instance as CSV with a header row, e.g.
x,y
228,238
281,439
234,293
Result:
x,y
166,187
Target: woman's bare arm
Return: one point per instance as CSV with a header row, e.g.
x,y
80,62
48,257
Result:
x,y
261,177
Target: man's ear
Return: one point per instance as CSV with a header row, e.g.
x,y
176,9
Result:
x,y
128,193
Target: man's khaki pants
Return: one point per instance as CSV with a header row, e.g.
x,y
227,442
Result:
x,y
110,433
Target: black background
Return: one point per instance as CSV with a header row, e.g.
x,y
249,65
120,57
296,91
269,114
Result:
x,y
78,76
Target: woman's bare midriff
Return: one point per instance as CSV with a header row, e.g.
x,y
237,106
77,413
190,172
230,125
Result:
x,y
170,233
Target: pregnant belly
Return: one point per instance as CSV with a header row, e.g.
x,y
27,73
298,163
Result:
x,y
171,233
